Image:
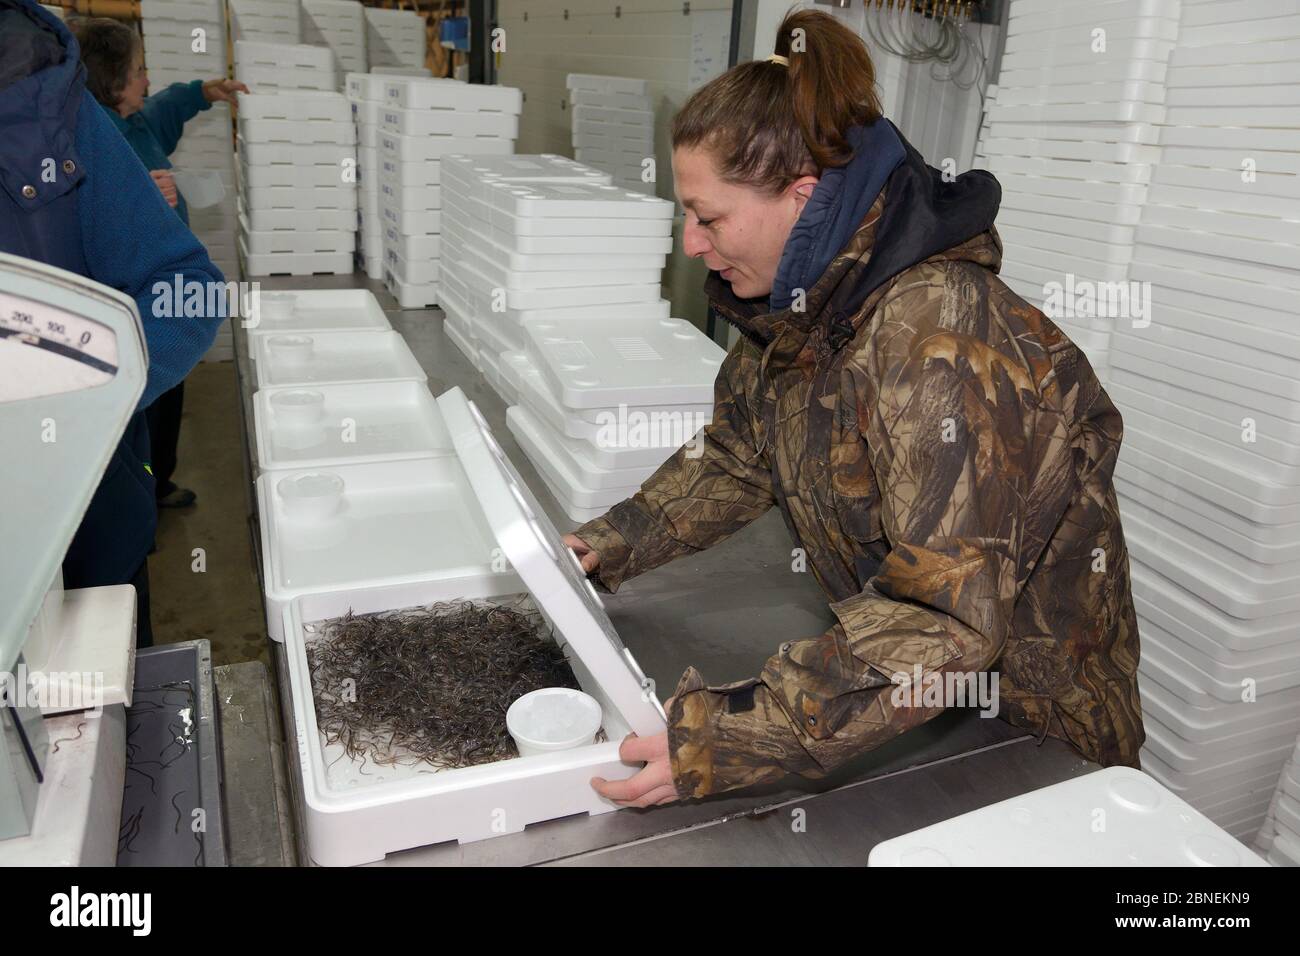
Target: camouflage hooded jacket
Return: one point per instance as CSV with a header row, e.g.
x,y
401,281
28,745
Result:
x,y
942,453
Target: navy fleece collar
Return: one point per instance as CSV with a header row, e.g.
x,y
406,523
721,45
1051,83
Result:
x,y
835,210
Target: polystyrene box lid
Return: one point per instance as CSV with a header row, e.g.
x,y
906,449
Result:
x,y
547,567
577,199
598,363
541,167
1145,824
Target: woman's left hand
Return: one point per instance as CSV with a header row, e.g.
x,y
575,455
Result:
x,y
650,786
222,91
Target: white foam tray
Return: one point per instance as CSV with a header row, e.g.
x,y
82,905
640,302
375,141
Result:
x,y
606,84
402,531
426,246
1146,825
308,176
365,87
630,101
334,358
264,220
341,424
604,464
556,259
420,93
473,172
470,212
591,363
567,284
267,78
590,425
575,499
357,815
571,200
322,310
616,139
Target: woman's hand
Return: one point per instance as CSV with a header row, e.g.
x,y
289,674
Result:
x,y
222,91
166,185
649,787
589,559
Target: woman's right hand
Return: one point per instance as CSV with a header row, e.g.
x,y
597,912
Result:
x,y
589,559
166,185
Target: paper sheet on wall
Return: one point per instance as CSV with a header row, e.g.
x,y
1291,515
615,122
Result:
x,y
710,45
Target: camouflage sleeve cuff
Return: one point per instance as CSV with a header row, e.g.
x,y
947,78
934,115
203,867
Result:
x,y
615,553
729,736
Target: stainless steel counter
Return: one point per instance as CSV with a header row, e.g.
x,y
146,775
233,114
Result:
x,y
723,611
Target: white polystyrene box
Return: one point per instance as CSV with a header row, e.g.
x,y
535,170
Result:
x,y
420,93
471,170
606,84
354,815
296,105
294,263
340,424
280,55
592,363
1146,825
302,133
576,200
561,477
334,358
410,295
461,123
321,310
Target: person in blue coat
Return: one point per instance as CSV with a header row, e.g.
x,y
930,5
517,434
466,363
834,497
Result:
x,y
74,194
116,77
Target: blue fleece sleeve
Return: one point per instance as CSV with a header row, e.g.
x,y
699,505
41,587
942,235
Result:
x,y
167,112
135,243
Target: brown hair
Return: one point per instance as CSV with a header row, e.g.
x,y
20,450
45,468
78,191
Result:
x,y
767,124
107,47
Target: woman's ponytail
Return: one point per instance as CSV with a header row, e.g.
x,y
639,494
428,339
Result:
x,y
769,122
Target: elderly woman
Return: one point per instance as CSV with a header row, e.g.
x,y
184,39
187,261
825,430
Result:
x,y
113,55
940,450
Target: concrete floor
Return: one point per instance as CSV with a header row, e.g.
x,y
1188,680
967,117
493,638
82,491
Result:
x,y
222,603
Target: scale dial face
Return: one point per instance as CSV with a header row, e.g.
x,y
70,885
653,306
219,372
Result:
x,y
45,350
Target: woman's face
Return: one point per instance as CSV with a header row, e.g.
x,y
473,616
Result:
x,y
737,230
137,86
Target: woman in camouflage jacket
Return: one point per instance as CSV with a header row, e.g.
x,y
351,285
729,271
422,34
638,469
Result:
x,y
940,451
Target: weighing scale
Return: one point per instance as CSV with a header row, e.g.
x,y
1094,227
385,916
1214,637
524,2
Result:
x,y
72,369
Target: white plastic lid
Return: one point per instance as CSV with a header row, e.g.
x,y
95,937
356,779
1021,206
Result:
x,y
547,567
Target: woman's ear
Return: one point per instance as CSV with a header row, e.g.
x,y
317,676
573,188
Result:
x,y
802,190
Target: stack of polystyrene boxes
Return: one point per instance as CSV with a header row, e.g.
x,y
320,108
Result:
x,y
265,66
1072,139
423,120
1209,470
275,21
365,91
1279,837
395,38
340,25
206,147
613,127
551,287
297,150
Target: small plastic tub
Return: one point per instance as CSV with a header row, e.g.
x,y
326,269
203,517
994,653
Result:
x,y
276,305
291,349
315,496
553,718
299,406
